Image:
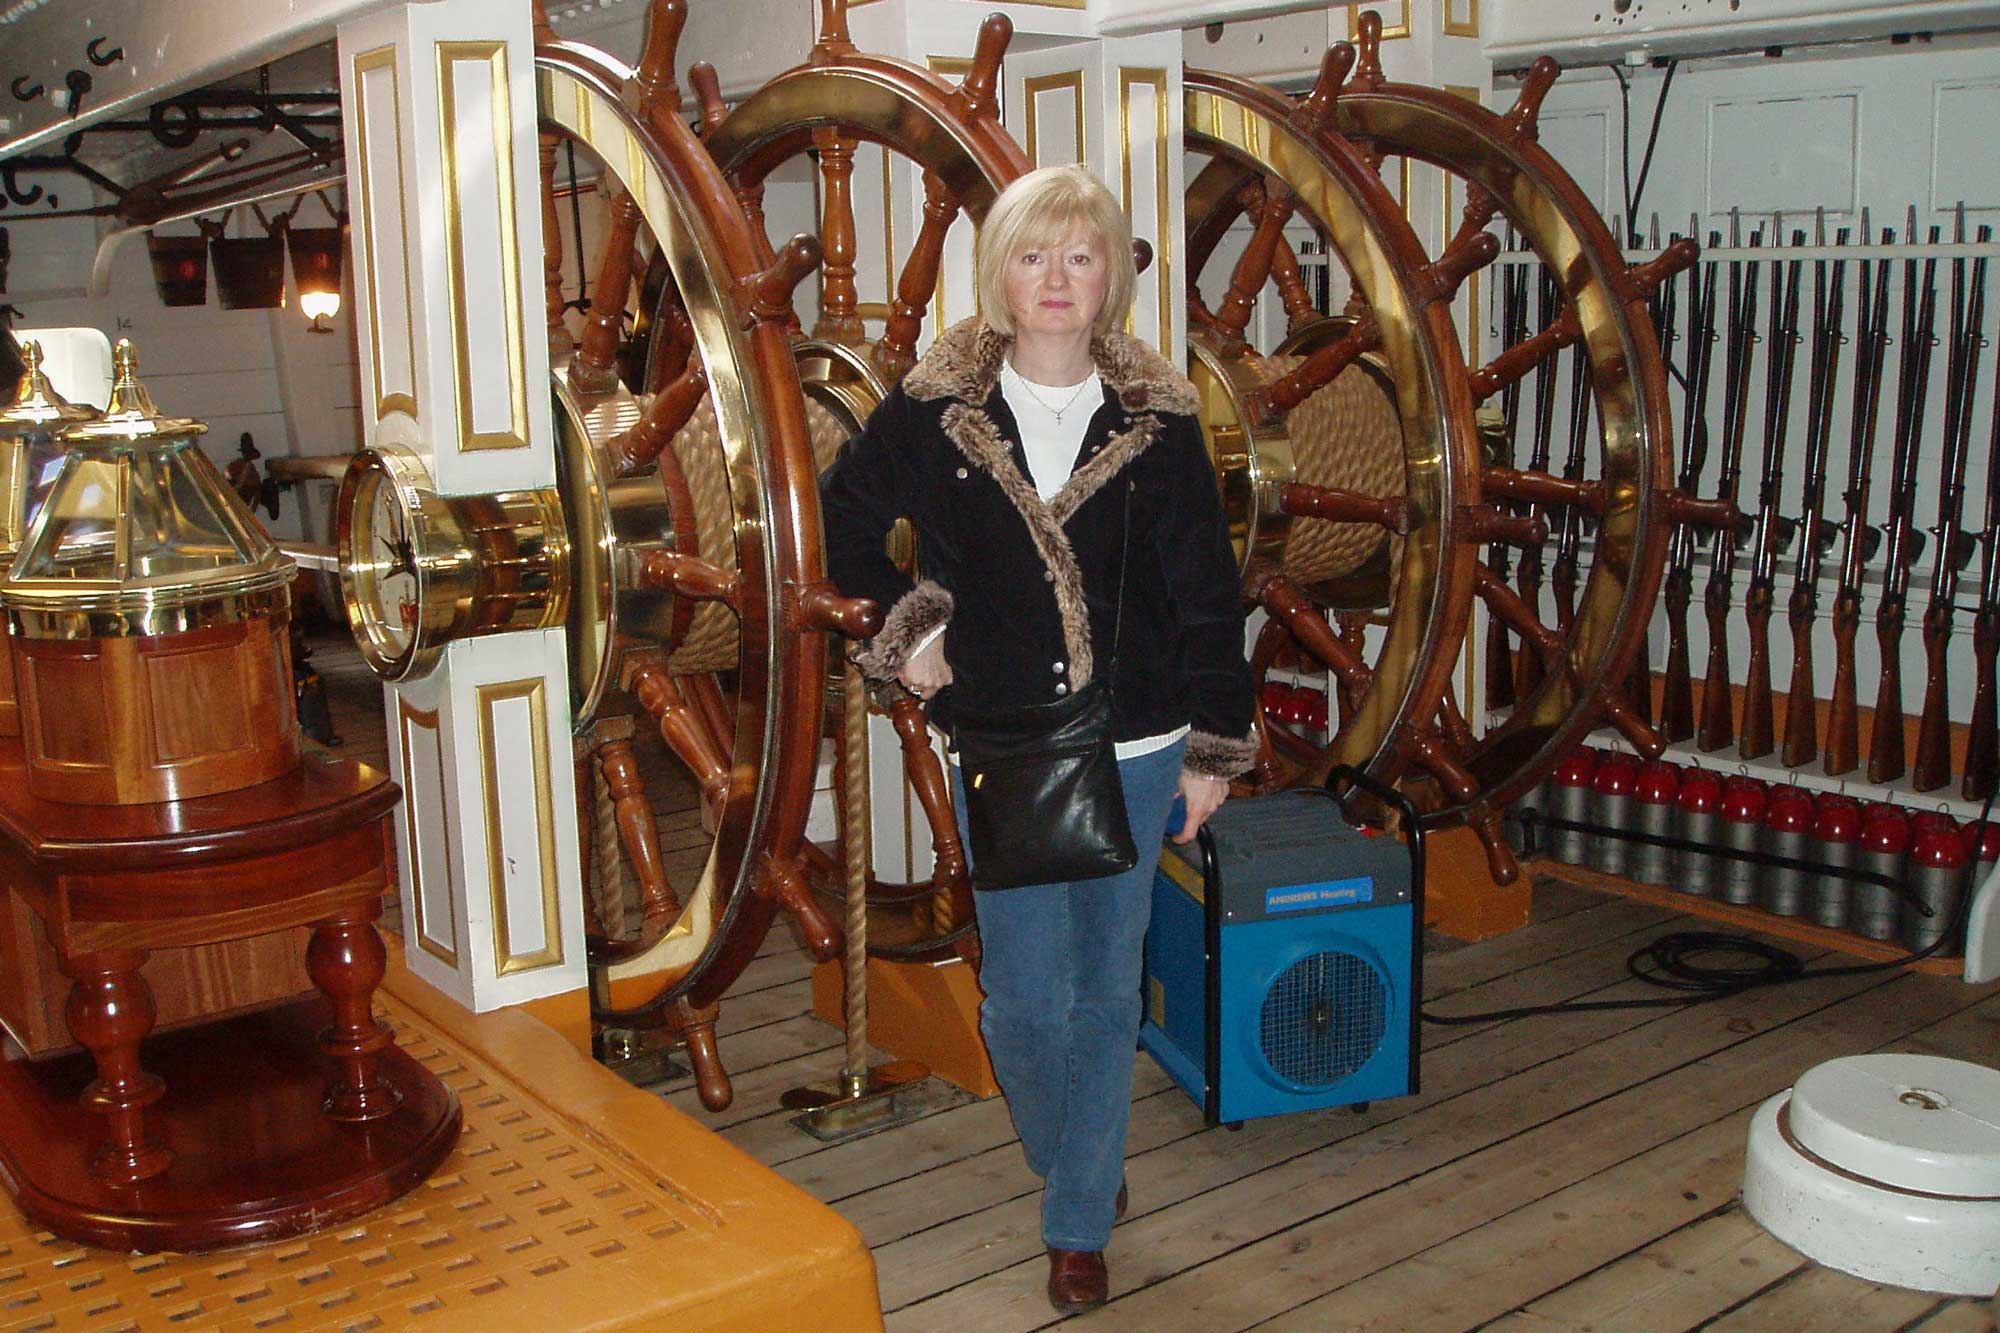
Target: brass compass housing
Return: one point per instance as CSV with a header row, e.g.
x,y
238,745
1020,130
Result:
x,y
419,569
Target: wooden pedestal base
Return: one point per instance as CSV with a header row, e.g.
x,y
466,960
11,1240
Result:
x,y
927,1012
1461,897
253,1154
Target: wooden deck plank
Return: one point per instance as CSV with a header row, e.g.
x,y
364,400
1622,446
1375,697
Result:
x,y
1690,1274
1556,1237
1815,1299
1962,1316
1229,1257
1161,1179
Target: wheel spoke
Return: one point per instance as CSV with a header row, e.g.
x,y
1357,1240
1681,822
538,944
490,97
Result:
x,y
838,321
896,352
1301,500
634,450
1271,204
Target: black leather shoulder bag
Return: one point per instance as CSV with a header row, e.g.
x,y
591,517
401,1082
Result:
x,y
1043,800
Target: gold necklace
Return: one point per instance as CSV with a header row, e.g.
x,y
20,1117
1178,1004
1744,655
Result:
x,y
1068,403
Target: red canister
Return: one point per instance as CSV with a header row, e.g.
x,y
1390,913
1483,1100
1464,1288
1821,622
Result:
x,y
1743,802
1569,798
1788,822
1836,839
1937,874
1611,809
1885,842
1700,814
1653,798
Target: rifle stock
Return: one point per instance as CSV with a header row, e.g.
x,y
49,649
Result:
x,y
1759,710
1843,738
1718,725
1677,693
1931,767
1886,748
1982,749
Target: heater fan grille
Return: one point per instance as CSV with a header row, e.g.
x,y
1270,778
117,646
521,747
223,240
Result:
x,y
1323,1018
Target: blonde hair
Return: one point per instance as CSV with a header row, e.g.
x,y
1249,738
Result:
x,y
1041,209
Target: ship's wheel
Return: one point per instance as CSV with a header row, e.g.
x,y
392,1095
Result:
x,y
1572,677
1348,459
698,602
951,134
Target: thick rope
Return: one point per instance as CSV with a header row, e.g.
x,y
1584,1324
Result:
x,y
854,849
1347,436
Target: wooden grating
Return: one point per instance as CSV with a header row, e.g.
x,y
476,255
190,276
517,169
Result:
x,y
524,1197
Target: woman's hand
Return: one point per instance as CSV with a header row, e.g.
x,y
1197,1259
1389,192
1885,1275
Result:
x,y
926,672
1203,796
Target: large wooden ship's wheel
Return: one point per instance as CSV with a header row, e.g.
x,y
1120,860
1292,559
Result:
x,y
1348,459
1574,674
698,592
839,98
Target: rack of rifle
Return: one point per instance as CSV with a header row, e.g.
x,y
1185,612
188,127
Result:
x,y
1748,297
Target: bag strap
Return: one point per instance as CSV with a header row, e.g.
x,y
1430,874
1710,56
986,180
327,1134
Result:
x,y
1124,551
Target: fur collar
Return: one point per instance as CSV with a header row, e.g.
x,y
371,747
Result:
x,y
964,363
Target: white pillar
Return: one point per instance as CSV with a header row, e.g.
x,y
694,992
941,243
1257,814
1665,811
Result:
x,y
439,109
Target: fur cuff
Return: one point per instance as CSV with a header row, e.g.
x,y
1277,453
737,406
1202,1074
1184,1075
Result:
x,y
1213,756
915,614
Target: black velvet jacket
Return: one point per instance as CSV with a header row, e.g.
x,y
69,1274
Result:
x,y
1030,588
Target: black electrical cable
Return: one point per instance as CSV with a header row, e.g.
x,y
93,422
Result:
x,y
1632,238
1671,962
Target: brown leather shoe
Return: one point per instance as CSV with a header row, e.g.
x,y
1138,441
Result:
x,y
1123,1201
1077,1280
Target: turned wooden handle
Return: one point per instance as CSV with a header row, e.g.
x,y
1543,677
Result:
x,y
823,608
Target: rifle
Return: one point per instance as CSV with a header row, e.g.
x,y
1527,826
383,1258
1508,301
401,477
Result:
x,y
1570,537
1755,740
1513,328
1829,309
1885,741
1843,727
1528,673
1677,700
1982,750
1718,722
1932,766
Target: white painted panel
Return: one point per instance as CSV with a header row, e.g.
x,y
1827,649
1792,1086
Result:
x,y
486,326
1581,141
516,756
383,207
423,774
1789,154
1965,152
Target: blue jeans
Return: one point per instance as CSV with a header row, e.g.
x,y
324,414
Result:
x,y
1061,1018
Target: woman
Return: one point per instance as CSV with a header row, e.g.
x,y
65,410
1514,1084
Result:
x,y
1022,446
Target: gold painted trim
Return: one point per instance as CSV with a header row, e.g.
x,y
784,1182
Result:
x,y
889,274
1466,27
871,310
1044,83
368,62
1400,28
1129,77
419,720
493,54
506,961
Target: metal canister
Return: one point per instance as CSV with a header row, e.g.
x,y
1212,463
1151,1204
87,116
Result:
x,y
1569,798
1743,801
1788,823
1653,798
1611,808
1837,840
1885,841
1937,874
1699,808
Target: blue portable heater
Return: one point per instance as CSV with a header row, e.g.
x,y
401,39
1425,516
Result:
x,y
1283,962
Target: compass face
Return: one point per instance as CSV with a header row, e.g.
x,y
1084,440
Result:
x,y
381,566
392,567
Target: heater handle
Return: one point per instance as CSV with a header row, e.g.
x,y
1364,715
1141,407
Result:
x,y
1382,791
